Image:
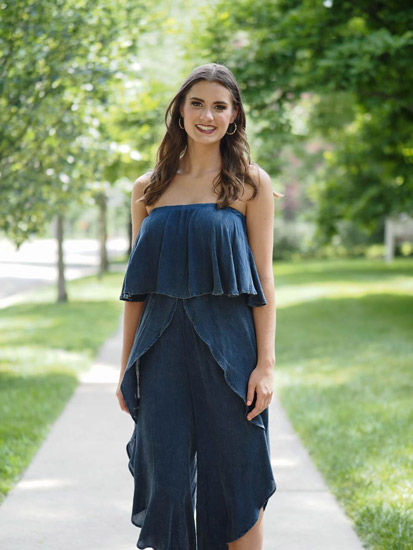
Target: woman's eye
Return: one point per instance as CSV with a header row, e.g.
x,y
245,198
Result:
x,y
220,107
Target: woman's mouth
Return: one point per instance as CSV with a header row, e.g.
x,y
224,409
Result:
x,y
205,129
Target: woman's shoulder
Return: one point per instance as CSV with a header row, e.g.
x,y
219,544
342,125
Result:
x,y
257,173
263,180
143,179
140,183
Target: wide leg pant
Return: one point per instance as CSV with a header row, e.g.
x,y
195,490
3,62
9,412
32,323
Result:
x,y
201,470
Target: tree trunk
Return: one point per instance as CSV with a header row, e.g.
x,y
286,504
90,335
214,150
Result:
x,y
389,241
61,283
103,264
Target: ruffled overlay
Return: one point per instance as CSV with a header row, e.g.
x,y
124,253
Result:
x,y
226,326
191,250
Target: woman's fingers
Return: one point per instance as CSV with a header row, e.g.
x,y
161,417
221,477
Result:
x,y
263,400
121,400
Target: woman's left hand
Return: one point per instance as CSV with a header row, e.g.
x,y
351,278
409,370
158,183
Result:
x,y
261,381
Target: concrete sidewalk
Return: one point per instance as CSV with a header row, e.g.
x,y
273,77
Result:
x,y
77,491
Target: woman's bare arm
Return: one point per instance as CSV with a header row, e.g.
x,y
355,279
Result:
x,y
132,310
260,227
131,317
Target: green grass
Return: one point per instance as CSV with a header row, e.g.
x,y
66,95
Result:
x,y
344,374
44,347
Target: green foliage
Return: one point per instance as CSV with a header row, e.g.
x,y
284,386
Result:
x,y
60,64
295,240
353,59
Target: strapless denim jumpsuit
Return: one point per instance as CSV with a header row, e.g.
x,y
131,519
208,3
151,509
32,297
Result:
x,y
201,470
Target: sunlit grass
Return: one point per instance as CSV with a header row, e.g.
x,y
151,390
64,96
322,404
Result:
x,y
344,374
44,347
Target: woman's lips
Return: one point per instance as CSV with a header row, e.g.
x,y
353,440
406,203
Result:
x,y
205,131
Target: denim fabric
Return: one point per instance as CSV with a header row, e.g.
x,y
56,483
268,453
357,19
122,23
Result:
x,y
191,250
225,324
201,470
185,383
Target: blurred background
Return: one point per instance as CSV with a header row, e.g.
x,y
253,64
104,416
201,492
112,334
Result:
x,y
327,88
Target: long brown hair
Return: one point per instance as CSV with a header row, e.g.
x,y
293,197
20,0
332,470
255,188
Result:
x,y
235,166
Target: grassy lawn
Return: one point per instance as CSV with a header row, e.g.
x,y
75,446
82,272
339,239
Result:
x,y
344,375
44,346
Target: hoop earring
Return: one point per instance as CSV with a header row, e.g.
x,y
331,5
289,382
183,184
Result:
x,y
179,122
235,129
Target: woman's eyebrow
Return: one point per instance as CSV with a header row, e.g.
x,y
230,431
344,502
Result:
x,y
198,99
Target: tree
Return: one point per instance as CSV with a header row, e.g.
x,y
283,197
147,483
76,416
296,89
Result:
x,y
360,52
58,64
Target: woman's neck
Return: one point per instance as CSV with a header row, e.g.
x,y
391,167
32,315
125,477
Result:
x,y
200,160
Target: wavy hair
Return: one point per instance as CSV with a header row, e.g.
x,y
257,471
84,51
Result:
x,y
234,148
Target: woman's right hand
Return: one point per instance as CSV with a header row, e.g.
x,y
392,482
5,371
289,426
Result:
x,y
121,400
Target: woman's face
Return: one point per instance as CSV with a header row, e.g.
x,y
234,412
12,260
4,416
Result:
x,y
207,111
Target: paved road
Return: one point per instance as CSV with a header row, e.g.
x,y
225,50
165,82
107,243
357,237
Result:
x,y
77,491
35,263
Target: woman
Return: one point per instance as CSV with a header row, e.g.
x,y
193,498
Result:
x,y
199,328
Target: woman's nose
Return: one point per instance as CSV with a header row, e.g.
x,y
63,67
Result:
x,y
207,115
